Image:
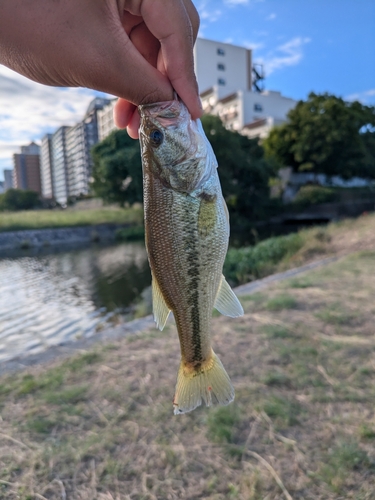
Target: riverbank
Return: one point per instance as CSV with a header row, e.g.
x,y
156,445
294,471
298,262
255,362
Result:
x,y
68,218
100,424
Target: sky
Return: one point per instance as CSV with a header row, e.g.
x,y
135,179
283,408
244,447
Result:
x,y
304,45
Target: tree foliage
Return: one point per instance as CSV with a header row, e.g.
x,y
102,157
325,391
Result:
x,y
326,135
117,171
244,172
17,199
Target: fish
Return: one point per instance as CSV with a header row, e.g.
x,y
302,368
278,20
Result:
x,y
186,236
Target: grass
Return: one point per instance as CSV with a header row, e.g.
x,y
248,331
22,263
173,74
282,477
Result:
x,y
43,219
100,425
285,252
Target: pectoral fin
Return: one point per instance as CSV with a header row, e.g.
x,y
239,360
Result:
x,y
226,301
159,307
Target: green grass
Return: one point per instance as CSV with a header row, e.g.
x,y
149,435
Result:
x,y
43,219
281,302
221,424
284,411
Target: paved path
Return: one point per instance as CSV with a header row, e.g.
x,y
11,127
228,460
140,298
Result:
x,y
138,325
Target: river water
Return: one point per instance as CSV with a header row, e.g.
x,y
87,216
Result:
x,y
47,299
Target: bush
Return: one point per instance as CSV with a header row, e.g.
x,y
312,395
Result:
x,y
246,264
17,199
313,195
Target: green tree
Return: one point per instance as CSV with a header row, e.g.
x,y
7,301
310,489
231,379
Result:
x,y
326,135
244,173
17,199
117,171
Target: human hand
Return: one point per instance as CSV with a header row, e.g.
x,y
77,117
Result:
x,y
139,50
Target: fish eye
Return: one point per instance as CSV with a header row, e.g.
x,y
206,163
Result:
x,y
156,137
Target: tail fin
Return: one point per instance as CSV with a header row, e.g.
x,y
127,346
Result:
x,y
211,383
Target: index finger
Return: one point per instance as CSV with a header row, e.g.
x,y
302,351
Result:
x,y
169,22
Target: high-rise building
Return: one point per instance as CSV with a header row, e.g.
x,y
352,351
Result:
x,y
226,79
79,141
106,123
222,65
46,167
60,165
26,173
8,179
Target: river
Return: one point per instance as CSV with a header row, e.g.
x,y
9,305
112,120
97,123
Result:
x,y
47,299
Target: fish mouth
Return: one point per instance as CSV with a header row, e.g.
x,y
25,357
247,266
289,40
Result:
x,y
164,110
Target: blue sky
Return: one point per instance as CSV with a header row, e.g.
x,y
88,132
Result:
x,y
319,45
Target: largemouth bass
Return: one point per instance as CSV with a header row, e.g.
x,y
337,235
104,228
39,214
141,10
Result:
x,y
187,232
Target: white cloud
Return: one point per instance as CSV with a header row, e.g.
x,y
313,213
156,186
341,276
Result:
x,y
271,17
366,97
210,15
252,45
29,110
288,54
242,2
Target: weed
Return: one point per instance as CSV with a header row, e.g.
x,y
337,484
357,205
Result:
x,y
70,395
80,362
367,432
341,460
282,410
281,302
221,423
276,332
41,425
276,378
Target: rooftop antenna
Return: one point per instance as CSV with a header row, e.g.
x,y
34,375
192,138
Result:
x,y
258,78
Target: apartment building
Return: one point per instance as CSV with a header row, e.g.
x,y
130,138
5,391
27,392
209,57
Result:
x,y
222,65
106,123
80,140
60,165
225,79
26,172
8,179
46,167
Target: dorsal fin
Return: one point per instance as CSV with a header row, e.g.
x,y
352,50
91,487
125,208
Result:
x,y
226,301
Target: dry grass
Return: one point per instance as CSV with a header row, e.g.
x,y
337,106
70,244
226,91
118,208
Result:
x,y
100,425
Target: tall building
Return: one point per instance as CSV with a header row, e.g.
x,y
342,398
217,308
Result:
x,y
222,65
26,173
106,123
46,167
8,179
60,165
250,113
226,79
79,141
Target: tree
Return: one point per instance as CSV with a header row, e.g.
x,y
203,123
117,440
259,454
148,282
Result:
x,y
326,135
17,199
117,169
243,171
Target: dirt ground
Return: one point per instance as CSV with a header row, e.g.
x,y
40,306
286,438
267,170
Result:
x,y
100,426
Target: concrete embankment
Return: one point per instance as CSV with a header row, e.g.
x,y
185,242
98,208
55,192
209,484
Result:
x,y
59,236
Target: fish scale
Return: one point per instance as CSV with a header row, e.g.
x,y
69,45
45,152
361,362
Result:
x,y
187,231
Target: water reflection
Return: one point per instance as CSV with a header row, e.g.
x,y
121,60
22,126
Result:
x,y
46,299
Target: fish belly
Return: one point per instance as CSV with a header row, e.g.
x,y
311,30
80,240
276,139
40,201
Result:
x,y
187,238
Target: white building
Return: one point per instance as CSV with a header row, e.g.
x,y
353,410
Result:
x,y
106,123
60,165
46,167
79,142
224,74
8,179
222,65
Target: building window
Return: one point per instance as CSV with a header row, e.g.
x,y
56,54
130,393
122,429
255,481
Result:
x,y
220,51
221,81
258,107
221,67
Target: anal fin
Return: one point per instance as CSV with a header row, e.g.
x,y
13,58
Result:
x,y
226,301
159,306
